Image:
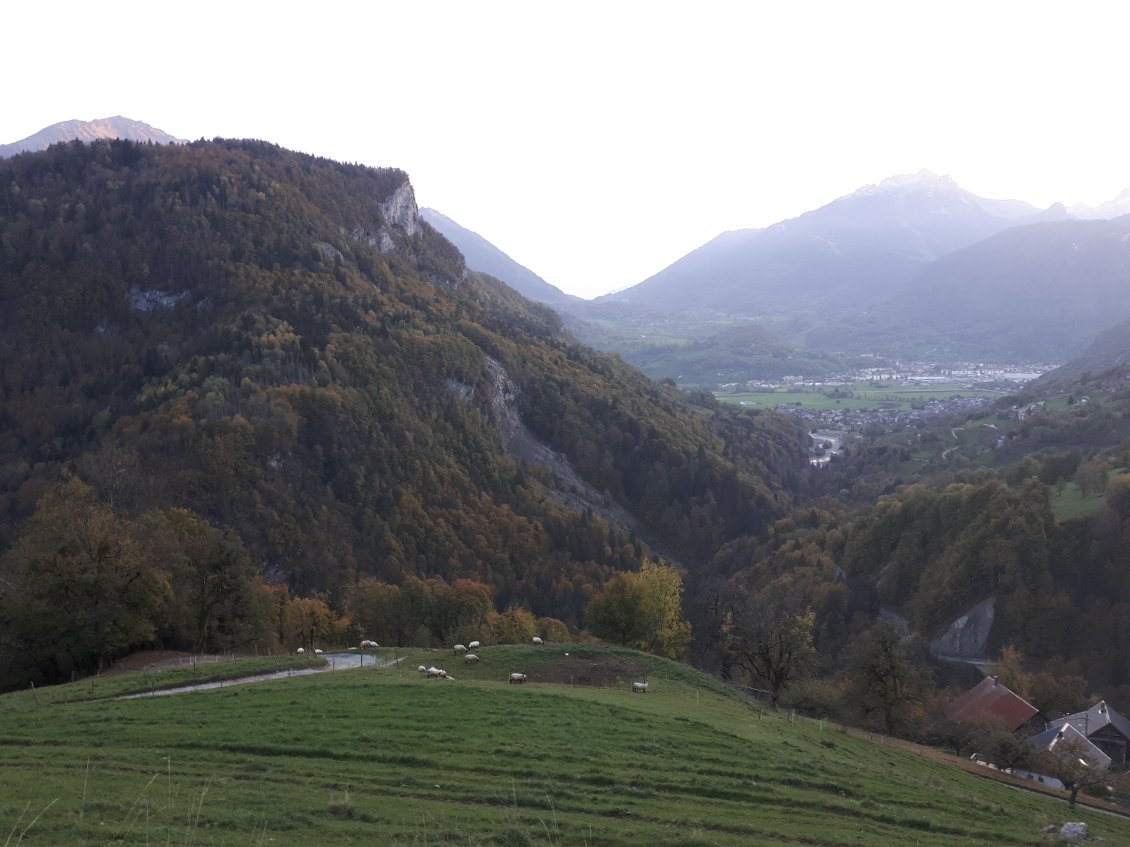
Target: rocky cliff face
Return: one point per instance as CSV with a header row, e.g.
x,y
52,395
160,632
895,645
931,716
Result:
x,y
401,216
572,491
967,636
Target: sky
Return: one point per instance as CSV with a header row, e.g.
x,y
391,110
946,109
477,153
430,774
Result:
x,y
598,142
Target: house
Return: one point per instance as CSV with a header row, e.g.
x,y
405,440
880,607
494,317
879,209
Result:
x,y
1049,740
990,700
1103,727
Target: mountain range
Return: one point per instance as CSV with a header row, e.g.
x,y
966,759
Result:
x,y
912,267
850,253
115,127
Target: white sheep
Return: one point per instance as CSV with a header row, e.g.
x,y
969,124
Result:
x,y
639,687
369,645
517,678
470,658
300,651
537,640
317,651
436,673
459,648
474,645
422,669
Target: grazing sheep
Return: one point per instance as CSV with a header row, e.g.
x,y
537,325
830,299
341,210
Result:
x,y
459,648
640,687
317,651
300,651
369,645
537,640
474,645
422,669
436,673
470,658
517,678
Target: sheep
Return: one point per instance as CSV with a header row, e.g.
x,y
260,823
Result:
x,y
470,658
317,651
474,645
438,673
369,645
300,651
639,687
459,648
538,640
517,678
422,669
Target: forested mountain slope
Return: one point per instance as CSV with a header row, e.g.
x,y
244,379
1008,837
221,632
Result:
x,y
277,343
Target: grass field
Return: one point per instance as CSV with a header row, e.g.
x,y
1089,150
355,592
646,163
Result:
x,y
862,395
384,756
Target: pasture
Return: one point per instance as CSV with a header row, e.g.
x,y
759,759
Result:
x,y
385,756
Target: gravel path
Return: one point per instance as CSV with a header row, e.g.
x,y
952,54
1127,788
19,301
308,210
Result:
x,y
334,662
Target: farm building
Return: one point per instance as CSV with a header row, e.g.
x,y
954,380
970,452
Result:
x,y
1103,727
1049,740
990,700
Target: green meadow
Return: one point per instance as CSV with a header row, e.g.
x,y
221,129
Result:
x,y
385,756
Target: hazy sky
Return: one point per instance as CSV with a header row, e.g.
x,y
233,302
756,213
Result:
x,y
597,142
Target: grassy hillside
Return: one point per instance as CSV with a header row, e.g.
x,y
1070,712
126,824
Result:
x,y
386,756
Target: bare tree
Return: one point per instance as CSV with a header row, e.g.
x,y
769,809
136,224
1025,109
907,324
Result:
x,y
1072,763
885,681
769,634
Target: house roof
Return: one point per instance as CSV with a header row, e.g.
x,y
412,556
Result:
x,y
991,700
1095,718
1067,733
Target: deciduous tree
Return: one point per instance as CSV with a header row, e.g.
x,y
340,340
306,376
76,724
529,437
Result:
x,y
885,682
643,610
1072,763
76,588
769,634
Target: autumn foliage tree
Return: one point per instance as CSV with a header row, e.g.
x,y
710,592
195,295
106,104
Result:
x,y
643,610
307,622
77,589
220,600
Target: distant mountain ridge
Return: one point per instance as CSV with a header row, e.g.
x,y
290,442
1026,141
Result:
x,y
858,249
484,257
1032,293
914,266
115,127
